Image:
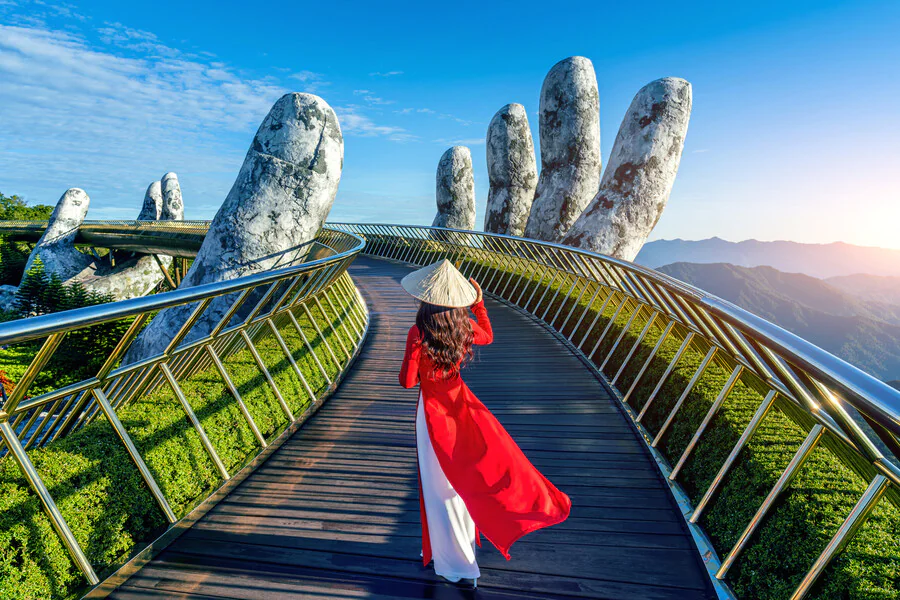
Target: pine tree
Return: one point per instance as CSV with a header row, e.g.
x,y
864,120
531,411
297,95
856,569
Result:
x,y
29,296
55,296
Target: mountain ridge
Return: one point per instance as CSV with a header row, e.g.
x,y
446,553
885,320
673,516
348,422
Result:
x,y
834,259
863,332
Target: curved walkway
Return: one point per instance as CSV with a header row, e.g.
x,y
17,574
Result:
x,y
334,513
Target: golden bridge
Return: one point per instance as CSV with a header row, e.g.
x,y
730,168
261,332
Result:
x,y
275,456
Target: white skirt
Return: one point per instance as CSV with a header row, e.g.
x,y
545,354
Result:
x,y
450,527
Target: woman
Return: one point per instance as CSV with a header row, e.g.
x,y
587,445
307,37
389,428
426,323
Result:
x,y
473,478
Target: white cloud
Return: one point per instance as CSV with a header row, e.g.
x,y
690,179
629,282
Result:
x,y
313,81
408,111
464,122
37,12
72,115
386,74
353,122
461,141
370,98
110,117
134,39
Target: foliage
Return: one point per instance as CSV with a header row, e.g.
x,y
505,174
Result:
x,y
5,382
14,208
41,293
82,351
14,255
99,490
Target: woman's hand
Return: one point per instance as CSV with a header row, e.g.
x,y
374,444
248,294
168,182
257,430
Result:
x,y
479,295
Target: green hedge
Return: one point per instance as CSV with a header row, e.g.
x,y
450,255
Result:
x,y
99,490
804,518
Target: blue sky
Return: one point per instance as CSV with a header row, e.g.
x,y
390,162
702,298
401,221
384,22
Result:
x,y
794,132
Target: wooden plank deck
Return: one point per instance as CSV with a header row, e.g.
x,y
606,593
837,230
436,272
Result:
x,y
334,513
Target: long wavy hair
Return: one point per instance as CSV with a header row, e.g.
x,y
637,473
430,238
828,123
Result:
x,y
447,337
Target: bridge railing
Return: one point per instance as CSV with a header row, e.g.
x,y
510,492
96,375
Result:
x,y
636,327
262,307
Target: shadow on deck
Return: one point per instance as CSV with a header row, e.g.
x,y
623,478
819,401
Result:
x,y
334,513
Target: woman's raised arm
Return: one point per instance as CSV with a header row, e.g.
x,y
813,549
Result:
x,y
481,326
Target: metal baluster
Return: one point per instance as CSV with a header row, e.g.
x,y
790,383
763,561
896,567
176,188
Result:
x,y
584,289
237,396
322,337
538,283
665,375
716,405
610,323
748,432
47,423
50,507
488,261
358,304
637,344
290,357
861,510
265,371
533,265
684,394
192,417
503,260
556,273
566,275
622,334
586,310
562,302
600,311
40,360
341,322
516,262
797,461
135,455
309,347
349,309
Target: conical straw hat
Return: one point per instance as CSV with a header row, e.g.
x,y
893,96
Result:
x,y
440,284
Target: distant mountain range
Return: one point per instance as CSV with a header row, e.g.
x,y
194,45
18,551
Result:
x,y
869,287
818,260
855,318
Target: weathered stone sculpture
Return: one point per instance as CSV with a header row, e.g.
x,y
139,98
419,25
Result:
x,y
129,277
56,248
153,200
278,203
570,148
512,170
137,275
455,190
172,204
640,173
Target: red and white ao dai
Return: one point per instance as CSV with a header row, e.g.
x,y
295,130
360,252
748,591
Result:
x,y
473,478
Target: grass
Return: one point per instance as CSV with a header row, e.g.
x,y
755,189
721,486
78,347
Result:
x,y
99,490
803,519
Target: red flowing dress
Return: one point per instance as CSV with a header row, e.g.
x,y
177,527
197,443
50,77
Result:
x,y
506,496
